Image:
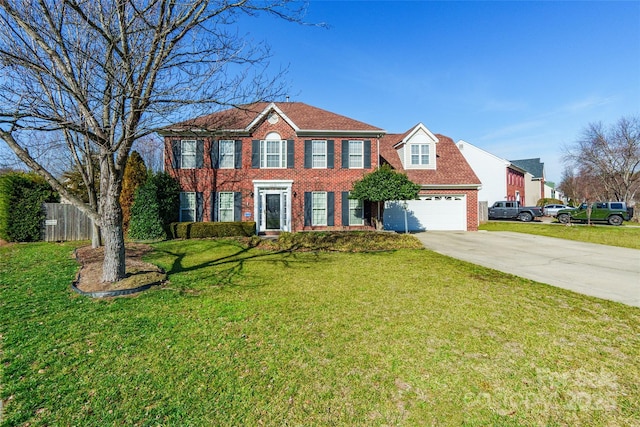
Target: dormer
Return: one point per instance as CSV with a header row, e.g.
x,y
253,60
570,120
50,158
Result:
x,y
417,149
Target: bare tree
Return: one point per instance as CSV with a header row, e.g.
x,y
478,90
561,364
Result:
x,y
96,75
611,157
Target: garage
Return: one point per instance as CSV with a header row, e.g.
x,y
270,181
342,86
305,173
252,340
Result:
x,y
433,212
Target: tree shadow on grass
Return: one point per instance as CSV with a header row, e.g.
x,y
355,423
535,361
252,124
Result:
x,y
235,261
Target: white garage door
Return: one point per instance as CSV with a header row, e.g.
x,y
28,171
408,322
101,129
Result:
x,y
428,213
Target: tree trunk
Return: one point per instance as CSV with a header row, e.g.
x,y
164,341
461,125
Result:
x,y
113,268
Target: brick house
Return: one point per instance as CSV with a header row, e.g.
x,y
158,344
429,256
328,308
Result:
x,y
288,166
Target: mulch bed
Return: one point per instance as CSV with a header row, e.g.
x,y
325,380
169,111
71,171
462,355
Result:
x,y
139,273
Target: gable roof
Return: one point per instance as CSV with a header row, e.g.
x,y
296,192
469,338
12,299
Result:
x,y
304,119
534,166
452,168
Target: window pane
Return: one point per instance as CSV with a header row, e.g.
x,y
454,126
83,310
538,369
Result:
x,y
274,154
188,154
227,149
356,216
319,152
420,154
424,154
225,209
356,154
319,208
187,207
415,154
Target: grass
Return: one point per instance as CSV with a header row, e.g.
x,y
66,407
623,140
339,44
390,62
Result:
x,y
625,236
243,336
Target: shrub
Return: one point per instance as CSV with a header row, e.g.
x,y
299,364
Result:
x,y
135,175
168,193
156,205
146,223
21,212
199,230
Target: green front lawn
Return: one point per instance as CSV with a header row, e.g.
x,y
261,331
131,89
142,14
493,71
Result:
x,y
246,337
623,236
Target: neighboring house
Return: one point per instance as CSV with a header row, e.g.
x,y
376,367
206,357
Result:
x,y
534,188
448,199
501,180
289,166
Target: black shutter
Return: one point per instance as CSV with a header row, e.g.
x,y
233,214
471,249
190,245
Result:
x,y
176,150
331,208
199,206
213,206
215,199
255,154
290,154
237,206
199,154
308,154
330,154
345,208
215,154
307,208
237,155
345,154
367,154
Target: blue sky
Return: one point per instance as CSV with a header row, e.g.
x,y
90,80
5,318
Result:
x,y
518,79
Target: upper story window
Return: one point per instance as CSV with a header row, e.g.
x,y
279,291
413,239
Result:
x,y
319,154
226,151
188,154
420,154
356,154
273,151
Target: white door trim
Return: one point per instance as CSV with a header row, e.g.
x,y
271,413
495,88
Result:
x,y
263,187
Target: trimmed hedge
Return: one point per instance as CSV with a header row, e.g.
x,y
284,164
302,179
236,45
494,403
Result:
x,y
200,230
21,212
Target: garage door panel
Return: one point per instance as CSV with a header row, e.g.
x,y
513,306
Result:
x,y
428,213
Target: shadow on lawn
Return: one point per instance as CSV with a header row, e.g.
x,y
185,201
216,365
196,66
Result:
x,y
235,261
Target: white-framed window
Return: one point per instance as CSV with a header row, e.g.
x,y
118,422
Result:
x,y
273,153
319,208
356,212
356,154
319,154
187,207
225,206
188,154
226,153
419,154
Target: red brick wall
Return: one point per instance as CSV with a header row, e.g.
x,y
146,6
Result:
x,y
515,182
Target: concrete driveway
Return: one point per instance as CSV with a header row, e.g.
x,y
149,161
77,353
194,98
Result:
x,y
602,271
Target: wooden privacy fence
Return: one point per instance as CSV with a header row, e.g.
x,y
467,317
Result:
x,y
65,222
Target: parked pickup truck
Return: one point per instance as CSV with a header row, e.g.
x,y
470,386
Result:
x,y
611,212
513,210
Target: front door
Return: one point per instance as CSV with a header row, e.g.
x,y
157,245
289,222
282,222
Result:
x,y
273,211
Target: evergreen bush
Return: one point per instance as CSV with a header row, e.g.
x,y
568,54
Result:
x,y
200,230
21,212
146,223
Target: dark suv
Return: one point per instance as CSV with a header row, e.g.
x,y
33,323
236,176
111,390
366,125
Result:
x,y
611,212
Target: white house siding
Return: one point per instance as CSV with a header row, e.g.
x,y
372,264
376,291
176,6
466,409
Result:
x,y
489,168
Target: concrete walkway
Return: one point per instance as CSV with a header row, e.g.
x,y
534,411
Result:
x,y
606,272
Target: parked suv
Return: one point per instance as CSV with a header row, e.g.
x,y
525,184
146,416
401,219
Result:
x,y
611,212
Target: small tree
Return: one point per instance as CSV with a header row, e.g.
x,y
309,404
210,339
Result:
x,y
135,174
155,206
382,185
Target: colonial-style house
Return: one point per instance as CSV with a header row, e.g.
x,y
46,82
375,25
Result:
x,y
535,186
289,166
